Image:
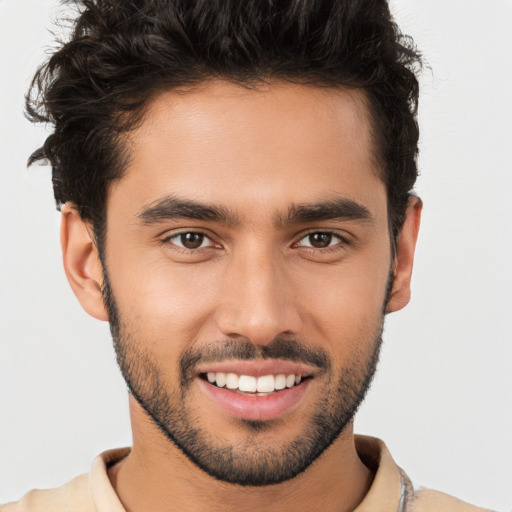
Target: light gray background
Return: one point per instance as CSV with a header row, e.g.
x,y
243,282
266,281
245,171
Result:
x,y
442,397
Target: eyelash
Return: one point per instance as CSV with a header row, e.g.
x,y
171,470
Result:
x,y
342,241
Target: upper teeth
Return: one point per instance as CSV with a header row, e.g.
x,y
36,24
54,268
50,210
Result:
x,y
250,384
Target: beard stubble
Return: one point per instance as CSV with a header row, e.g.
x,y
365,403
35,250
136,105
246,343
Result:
x,y
249,463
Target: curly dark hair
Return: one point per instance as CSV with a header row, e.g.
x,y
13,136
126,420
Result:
x,y
97,85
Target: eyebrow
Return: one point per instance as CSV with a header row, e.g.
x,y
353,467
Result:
x,y
172,207
333,209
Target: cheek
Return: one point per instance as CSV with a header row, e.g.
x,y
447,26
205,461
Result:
x,y
164,307
345,307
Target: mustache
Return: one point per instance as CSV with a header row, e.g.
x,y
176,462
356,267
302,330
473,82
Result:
x,y
278,348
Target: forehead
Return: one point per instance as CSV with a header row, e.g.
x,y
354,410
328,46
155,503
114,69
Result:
x,y
267,148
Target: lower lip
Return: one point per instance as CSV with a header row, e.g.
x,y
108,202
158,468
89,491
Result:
x,y
252,407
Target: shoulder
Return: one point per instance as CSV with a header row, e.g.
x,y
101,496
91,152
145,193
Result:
x,y
75,495
426,500
86,493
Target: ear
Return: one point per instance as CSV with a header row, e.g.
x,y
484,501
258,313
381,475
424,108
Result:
x,y
404,257
81,262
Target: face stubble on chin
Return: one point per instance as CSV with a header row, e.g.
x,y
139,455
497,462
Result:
x,y
248,463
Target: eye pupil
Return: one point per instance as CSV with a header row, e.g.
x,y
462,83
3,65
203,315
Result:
x,y
320,240
192,240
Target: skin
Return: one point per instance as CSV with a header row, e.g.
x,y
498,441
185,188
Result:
x,y
256,153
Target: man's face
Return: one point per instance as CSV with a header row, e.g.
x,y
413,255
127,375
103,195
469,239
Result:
x,y
247,266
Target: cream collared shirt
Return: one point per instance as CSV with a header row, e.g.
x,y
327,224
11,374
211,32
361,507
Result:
x,y
391,490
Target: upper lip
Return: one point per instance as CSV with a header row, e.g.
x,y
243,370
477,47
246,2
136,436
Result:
x,y
258,368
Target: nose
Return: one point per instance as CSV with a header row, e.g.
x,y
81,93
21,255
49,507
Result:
x,y
256,300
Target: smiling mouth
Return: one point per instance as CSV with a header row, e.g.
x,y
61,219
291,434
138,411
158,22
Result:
x,y
251,385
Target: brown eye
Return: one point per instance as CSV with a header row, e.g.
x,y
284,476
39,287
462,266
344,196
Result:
x,y
320,240
192,240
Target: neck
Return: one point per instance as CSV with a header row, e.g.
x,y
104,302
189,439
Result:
x,y
157,476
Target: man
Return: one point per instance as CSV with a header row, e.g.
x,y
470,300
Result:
x,y
235,182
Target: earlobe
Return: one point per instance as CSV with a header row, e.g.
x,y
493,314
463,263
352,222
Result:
x,y
404,257
81,262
